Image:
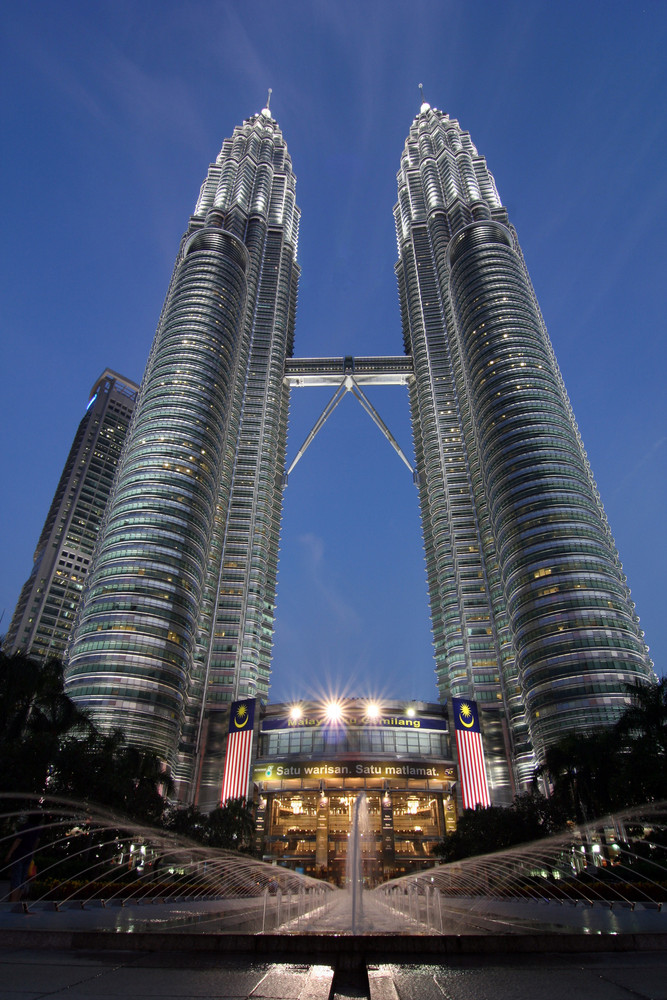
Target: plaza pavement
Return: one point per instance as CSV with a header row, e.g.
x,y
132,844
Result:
x,y
511,951
36,974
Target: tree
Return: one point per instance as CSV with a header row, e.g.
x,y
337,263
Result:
x,y
482,831
47,744
35,716
33,699
642,737
645,720
188,822
231,825
591,774
147,783
584,772
104,769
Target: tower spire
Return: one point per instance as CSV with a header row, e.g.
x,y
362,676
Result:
x,y
424,105
267,107
266,111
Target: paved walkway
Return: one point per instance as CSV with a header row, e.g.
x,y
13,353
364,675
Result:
x,y
32,975
547,977
29,974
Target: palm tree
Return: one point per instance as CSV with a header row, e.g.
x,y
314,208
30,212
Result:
x,y
231,825
104,769
646,718
147,783
582,770
642,735
35,716
48,744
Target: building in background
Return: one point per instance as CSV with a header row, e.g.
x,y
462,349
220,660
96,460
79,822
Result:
x,y
49,599
530,608
314,759
177,616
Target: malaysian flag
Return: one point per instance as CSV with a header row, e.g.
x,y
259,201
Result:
x,y
472,771
239,750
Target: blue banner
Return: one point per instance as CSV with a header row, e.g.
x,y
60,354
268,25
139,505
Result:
x,y
356,722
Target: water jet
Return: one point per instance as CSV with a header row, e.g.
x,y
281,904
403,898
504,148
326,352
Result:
x,y
354,865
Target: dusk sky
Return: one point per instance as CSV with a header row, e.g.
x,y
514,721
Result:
x,y
110,115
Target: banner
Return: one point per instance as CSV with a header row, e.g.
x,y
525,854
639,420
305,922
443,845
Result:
x,y
239,750
472,770
303,769
355,722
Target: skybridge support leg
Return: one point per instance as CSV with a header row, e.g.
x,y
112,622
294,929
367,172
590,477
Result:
x,y
348,384
377,420
319,424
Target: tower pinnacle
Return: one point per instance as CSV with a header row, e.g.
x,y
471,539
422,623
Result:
x,y
266,112
424,106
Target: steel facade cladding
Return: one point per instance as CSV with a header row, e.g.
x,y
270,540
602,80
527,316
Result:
x,y
163,505
529,604
178,615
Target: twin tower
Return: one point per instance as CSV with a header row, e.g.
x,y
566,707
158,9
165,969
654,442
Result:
x,y
530,610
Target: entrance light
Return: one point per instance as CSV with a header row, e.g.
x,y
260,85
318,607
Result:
x,y
333,711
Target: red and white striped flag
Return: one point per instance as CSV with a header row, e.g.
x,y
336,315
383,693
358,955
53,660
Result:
x,y
239,750
472,770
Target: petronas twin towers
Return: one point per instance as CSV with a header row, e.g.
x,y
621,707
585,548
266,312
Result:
x,y
531,613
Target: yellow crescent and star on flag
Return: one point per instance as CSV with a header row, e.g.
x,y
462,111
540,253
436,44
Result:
x,y
241,716
466,718
465,714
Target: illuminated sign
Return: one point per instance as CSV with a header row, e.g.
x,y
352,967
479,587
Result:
x,y
278,771
356,722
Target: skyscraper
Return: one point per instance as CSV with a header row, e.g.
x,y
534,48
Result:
x,y
49,599
530,608
531,613
178,612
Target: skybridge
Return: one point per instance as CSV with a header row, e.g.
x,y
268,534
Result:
x,y
364,371
348,374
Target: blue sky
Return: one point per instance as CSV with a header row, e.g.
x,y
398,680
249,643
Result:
x,y
111,112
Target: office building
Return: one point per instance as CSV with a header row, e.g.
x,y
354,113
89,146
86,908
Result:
x,y
531,613
178,613
47,606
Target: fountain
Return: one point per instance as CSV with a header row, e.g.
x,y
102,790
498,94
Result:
x,y
99,871
117,874
606,877
354,864
352,910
